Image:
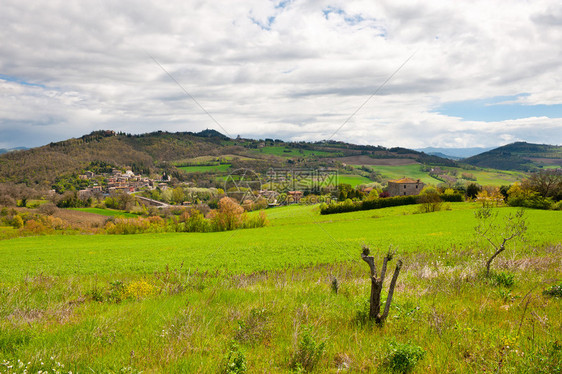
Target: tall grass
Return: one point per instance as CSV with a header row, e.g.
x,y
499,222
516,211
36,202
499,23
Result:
x,y
444,311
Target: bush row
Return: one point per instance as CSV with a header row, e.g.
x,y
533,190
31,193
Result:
x,y
353,206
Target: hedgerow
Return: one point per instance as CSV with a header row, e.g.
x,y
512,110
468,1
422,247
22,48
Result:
x,y
353,206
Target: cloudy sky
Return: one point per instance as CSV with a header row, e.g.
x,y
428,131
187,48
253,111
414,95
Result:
x,y
392,73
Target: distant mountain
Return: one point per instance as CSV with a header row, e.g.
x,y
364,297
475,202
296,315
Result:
x,y
519,156
454,153
6,150
442,155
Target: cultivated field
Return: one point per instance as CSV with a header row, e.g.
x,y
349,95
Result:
x,y
266,298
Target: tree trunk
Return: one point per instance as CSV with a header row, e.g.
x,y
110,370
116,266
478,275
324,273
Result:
x,y
377,285
489,262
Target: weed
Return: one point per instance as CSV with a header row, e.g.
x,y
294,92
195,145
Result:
x,y
235,360
554,291
505,295
139,289
546,359
503,278
335,285
308,353
403,357
362,312
95,294
255,328
116,291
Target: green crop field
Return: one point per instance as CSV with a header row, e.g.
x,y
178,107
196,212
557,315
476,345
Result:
x,y
289,297
205,168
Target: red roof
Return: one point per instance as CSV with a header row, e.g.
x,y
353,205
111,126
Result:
x,y
404,180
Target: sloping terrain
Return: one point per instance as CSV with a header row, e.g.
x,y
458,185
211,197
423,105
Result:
x,y
162,151
519,156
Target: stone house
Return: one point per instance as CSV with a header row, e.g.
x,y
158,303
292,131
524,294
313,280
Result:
x,y
404,187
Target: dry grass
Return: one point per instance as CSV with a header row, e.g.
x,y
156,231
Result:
x,y
80,220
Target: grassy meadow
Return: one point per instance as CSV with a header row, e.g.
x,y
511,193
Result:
x,y
283,151
290,297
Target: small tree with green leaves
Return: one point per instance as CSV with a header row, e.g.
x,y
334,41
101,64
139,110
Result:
x,y
377,284
499,234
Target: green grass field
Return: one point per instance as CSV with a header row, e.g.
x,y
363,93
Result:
x,y
200,303
353,180
495,177
400,171
483,176
290,152
314,239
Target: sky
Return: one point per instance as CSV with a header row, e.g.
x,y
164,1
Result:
x,y
392,73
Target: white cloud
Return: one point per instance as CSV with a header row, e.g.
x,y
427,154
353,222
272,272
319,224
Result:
x,y
295,71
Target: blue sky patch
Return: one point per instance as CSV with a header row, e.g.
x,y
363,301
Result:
x,y
264,26
499,108
17,80
283,4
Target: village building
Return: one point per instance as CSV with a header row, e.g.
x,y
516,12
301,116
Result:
x,y
294,197
404,187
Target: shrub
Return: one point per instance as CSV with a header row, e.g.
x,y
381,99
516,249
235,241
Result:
x,y
48,209
197,223
17,222
430,200
534,201
37,227
403,357
229,216
308,353
257,220
452,198
350,206
7,201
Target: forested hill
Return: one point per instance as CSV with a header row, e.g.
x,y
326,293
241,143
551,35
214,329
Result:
x,y
519,156
162,151
144,153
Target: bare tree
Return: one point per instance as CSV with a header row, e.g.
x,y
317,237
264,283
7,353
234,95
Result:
x,y
514,226
377,284
547,183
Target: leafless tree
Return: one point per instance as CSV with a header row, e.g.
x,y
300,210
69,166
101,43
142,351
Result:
x,y
377,284
547,183
496,234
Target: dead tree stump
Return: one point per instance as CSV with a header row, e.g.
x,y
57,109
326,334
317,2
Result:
x,y
377,284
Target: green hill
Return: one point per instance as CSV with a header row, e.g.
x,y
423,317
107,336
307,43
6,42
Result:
x,y
519,156
162,151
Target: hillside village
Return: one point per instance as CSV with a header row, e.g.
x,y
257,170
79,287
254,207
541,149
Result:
x,y
119,181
